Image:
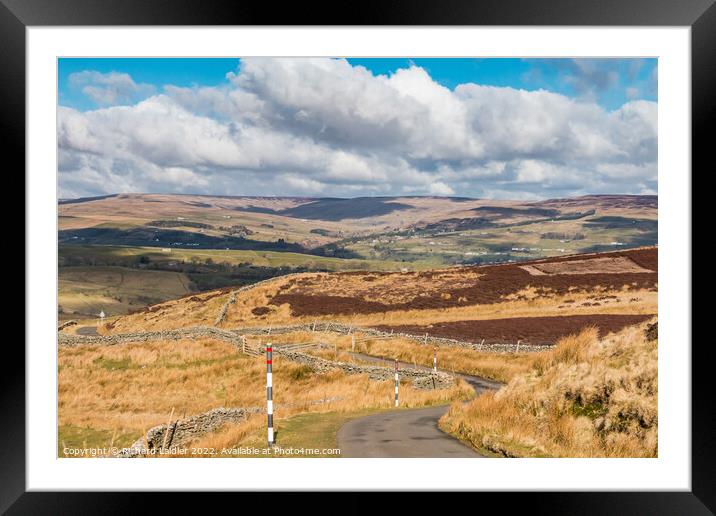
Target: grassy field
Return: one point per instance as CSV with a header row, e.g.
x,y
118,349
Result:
x,y
116,290
232,257
125,390
512,241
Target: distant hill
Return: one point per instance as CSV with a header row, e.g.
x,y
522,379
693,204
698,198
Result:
x,y
85,199
411,229
339,209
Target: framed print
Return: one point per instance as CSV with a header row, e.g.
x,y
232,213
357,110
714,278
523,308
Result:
x,y
271,256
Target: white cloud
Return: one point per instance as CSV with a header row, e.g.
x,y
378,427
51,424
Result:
x,y
109,89
324,127
441,188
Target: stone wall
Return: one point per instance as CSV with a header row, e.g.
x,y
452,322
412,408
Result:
x,y
66,324
420,379
234,336
232,297
224,308
371,332
183,431
65,339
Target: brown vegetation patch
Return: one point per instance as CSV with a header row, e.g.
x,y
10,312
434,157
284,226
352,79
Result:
x,y
606,265
446,288
261,310
530,330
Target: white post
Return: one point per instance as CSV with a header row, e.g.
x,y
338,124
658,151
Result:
x,y
518,347
396,382
435,360
269,392
353,342
426,339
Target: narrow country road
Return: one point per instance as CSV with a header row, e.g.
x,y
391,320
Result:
x,y
406,433
87,331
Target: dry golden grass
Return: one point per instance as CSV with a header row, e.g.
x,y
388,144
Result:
x,y
500,367
186,312
586,398
130,388
382,287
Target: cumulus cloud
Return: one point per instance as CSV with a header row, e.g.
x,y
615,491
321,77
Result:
x,y
108,89
325,127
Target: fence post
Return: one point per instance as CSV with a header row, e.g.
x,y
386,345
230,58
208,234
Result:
x,y
166,434
425,341
435,360
269,392
396,382
518,347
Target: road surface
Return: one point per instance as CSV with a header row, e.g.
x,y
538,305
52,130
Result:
x,y
406,433
87,331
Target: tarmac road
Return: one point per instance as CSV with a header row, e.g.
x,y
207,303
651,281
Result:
x,y
406,433
87,331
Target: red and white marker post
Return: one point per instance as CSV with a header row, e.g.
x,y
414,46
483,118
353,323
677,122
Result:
x,y
269,392
396,382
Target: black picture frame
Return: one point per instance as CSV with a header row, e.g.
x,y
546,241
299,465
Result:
x,y
700,15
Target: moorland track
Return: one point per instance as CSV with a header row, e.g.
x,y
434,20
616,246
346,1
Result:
x,y
409,432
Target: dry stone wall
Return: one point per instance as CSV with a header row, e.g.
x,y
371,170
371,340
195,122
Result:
x,y
420,379
372,332
65,339
66,324
234,336
183,431
232,297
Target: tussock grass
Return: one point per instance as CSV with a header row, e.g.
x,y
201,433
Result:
x,y
589,397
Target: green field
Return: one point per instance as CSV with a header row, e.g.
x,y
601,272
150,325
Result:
x,y
524,241
119,279
84,291
130,255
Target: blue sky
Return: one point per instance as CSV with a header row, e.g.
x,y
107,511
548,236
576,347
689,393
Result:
x,y
610,82
323,127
